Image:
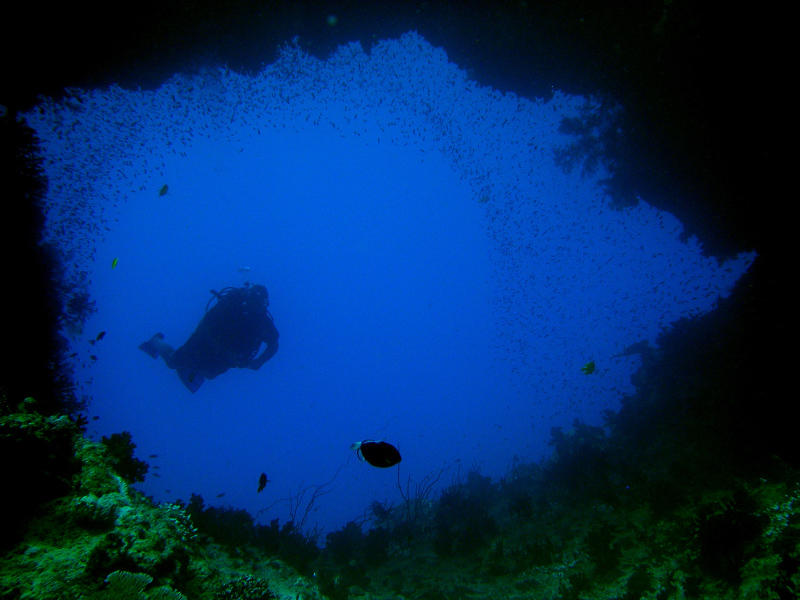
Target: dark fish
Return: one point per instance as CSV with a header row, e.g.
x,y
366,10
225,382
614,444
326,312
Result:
x,y
93,357
163,191
153,456
100,336
262,481
220,495
94,418
378,454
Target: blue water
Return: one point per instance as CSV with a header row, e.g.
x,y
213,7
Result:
x,y
436,281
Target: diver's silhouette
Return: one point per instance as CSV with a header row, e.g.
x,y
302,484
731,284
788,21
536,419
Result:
x,y
229,335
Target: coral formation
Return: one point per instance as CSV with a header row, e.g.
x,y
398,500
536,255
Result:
x,y
236,528
120,449
87,533
122,585
245,587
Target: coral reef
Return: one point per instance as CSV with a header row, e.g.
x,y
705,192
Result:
x,y
86,533
462,520
245,588
235,528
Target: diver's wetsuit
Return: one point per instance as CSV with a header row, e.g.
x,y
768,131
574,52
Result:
x,y
229,335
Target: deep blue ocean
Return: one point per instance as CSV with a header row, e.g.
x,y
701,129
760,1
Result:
x,y
438,280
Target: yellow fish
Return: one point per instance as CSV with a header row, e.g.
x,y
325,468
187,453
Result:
x,y
114,263
588,368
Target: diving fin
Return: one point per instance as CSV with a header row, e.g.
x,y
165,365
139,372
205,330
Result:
x,y
151,345
191,379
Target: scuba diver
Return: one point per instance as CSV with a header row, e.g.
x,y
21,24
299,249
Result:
x,y
230,334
